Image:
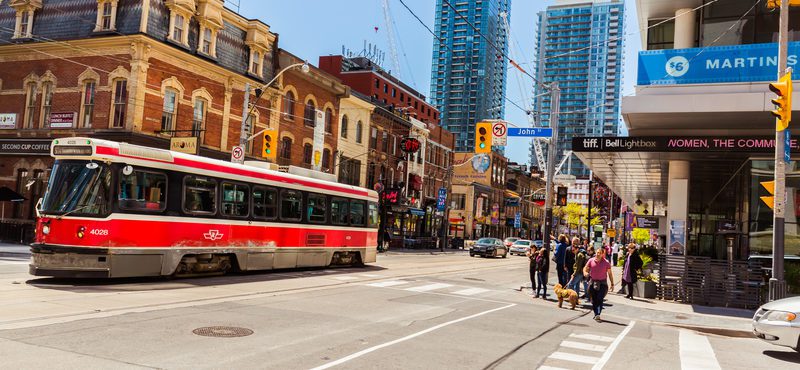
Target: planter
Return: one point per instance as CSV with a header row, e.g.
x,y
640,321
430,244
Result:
x,y
645,289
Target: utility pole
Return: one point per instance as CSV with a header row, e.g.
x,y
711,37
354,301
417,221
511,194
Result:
x,y
445,228
777,285
555,97
245,116
589,213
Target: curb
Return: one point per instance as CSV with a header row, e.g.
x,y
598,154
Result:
x,y
15,254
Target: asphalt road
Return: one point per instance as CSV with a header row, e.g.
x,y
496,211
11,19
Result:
x,y
408,311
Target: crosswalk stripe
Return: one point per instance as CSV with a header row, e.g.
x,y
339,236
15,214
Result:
x,y
597,338
345,278
574,358
370,275
583,346
471,291
386,284
696,351
429,287
545,367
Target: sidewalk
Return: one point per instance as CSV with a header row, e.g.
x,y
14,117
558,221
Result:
x,y
14,250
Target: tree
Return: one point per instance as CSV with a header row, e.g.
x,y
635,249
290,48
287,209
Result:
x,y
574,215
640,236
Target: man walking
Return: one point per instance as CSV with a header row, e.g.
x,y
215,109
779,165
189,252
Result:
x,y
597,269
577,276
559,257
569,259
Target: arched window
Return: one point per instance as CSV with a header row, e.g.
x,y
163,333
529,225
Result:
x,y
328,120
286,147
307,151
170,110
309,113
359,131
326,159
344,127
288,105
120,99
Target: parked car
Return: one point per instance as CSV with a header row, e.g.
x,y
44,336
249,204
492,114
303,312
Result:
x,y
520,247
778,322
488,247
509,241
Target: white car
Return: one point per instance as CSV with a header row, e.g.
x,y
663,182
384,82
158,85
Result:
x,y
778,322
520,247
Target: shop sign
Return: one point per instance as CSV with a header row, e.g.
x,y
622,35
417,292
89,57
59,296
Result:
x,y
512,202
24,147
709,144
677,237
495,214
8,121
715,64
62,120
441,199
318,144
517,220
409,145
183,144
391,196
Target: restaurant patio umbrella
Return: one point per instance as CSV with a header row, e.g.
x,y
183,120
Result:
x,y
8,195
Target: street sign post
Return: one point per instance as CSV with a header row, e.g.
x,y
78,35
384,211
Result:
x,y
237,154
517,220
530,132
499,133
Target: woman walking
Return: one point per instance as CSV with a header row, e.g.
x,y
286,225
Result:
x,y
633,263
532,255
596,270
542,269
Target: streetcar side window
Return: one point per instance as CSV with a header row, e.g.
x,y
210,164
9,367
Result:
x,y
291,205
357,213
200,195
265,203
372,215
317,209
340,211
235,200
143,191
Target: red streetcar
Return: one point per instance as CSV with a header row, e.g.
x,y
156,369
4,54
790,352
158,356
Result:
x,y
120,210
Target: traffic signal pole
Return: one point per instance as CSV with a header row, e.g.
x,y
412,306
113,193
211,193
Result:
x,y
555,97
777,284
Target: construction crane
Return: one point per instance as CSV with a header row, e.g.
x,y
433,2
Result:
x,y
387,17
537,142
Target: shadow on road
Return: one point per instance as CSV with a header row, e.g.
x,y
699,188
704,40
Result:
x,y
793,357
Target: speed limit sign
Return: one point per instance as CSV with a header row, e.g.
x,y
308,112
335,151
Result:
x,y
237,154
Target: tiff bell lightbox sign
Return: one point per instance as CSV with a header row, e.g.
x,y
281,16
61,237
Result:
x,y
749,144
716,64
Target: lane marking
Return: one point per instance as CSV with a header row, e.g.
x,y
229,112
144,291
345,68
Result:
x,y
429,287
596,338
344,278
545,367
471,291
583,346
696,351
411,336
613,347
574,358
370,275
12,262
385,284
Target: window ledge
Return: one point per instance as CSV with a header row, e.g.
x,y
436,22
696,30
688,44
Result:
x,y
253,75
104,32
207,56
178,44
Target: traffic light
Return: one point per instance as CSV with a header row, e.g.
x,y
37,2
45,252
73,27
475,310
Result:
x,y
483,139
269,147
769,200
775,4
783,103
561,196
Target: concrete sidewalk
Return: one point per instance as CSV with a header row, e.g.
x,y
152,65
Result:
x,y
14,250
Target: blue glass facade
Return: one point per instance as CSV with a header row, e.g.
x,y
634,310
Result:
x,y
468,77
581,47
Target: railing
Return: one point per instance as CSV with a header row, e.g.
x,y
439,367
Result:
x,y
708,282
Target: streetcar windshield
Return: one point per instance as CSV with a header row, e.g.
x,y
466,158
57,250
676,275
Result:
x,y
78,187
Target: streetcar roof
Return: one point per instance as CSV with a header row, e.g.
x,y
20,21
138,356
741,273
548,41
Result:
x,y
165,159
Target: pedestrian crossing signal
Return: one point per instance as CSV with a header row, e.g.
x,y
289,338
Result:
x,y
561,197
269,147
769,200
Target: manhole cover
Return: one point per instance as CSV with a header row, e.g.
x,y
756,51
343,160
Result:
x,y
222,331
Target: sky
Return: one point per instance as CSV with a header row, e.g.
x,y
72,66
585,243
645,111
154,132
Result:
x,y
312,28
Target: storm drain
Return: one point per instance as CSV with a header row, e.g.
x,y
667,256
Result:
x,y
222,331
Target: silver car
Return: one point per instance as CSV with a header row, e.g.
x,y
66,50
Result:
x,y
778,322
520,247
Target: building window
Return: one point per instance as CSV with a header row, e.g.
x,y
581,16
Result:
x,y
207,38
394,145
359,132
286,148
307,153
106,17
24,25
47,103
199,118
385,142
326,159
344,127
177,28
373,138
120,103
328,120
170,111
288,105
371,175
377,83
87,106
255,65
309,113
385,88
30,104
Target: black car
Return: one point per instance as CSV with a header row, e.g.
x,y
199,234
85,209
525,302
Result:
x,y
488,247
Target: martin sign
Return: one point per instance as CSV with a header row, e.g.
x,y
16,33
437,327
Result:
x,y
759,144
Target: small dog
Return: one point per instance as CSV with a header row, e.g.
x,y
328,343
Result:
x,y
569,294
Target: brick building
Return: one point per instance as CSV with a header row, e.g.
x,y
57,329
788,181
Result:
x,y
479,185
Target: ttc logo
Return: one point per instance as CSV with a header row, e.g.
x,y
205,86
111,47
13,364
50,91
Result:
x,y
590,143
213,235
677,66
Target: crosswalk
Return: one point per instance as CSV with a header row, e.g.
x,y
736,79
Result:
x,y
584,350
426,287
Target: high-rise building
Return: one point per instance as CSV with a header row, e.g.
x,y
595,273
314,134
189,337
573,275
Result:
x,y
580,45
468,78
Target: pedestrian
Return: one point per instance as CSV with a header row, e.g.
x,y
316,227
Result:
x,y
558,258
590,252
542,269
387,238
569,259
607,247
596,270
532,254
633,263
615,253
576,277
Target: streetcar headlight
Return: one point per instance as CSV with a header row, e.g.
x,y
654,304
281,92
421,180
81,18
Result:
x,y
81,231
46,229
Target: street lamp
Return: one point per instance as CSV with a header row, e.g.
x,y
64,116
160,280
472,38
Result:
x,y
248,108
